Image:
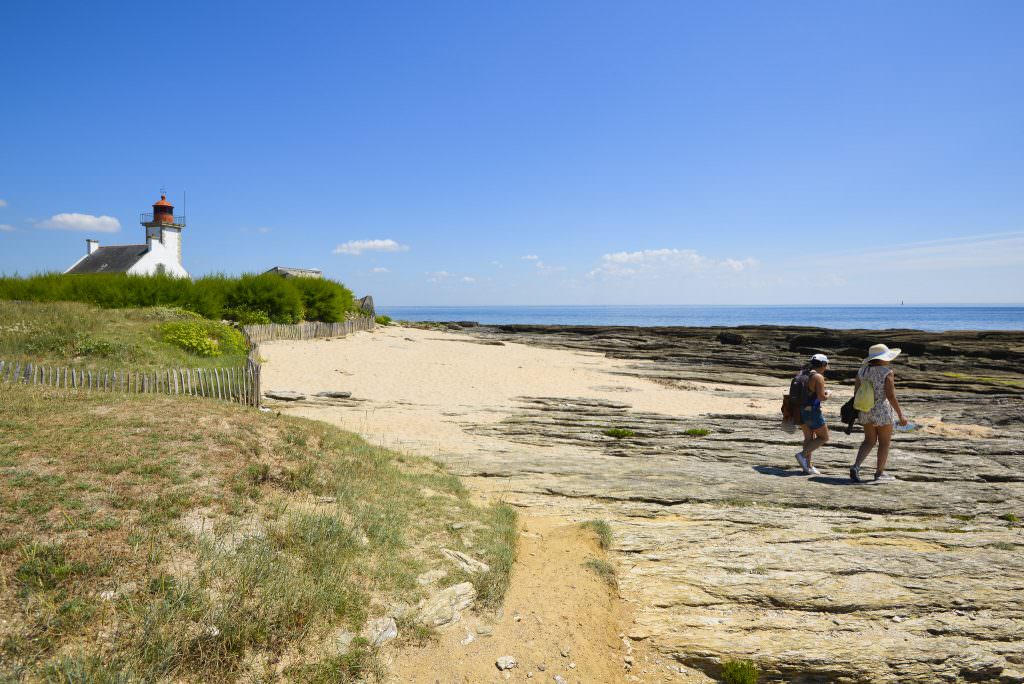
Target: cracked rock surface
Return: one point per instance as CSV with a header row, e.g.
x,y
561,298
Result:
x,y
725,550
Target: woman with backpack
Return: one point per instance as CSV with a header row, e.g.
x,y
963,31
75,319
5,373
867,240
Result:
x,y
812,421
875,399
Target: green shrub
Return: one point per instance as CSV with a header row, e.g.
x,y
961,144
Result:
x,y
619,433
697,432
281,300
739,672
245,316
383,320
203,338
324,300
271,294
1010,517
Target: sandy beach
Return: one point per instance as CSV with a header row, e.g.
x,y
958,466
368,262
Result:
x,y
722,549
419,388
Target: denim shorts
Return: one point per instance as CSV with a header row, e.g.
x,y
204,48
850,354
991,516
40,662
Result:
x,y
812,417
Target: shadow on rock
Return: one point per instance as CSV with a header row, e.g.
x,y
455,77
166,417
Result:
x,y
777,471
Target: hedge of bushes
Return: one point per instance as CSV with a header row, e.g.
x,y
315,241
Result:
x,y
267,298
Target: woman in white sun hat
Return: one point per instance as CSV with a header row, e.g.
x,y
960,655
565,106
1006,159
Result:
x,y
879,419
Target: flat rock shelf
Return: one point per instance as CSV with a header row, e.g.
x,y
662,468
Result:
x,y
722,548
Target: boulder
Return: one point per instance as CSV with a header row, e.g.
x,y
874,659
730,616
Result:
x,y
380,631
332,394
506,663
444,607
727,337
284,395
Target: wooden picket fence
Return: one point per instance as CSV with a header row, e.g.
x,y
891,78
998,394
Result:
x,y
239,385
305,331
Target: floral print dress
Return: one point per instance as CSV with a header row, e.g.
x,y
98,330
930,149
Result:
x,y
882,413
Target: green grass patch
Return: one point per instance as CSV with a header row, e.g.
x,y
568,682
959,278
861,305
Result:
x,y
603,569
1010,517
739,672
83,336
359,664
499,552
46,566
603,531
873,530
697,432
618,433
987,379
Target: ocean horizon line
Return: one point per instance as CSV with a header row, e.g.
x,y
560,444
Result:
x,y
925,317
655,306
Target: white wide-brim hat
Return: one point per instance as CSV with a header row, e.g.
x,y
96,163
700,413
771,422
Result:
x,y
880,352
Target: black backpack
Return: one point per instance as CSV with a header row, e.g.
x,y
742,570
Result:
x,y
799,388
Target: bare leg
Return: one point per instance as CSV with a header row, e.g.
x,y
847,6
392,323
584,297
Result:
x,y
808,437
870,439
884,439
818,438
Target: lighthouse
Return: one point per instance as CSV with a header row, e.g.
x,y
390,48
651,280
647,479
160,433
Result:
x,y
162,226
161,255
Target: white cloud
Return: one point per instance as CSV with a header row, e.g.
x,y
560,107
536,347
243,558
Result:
x,y
3,203
438,276
83,222
530,257
357,247
262,230
468,279
380,269
6,228
669,260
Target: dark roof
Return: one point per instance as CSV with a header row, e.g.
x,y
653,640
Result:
x,y
296,272
113,259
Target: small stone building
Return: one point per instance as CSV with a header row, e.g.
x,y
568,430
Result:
x,y
290,272
161,254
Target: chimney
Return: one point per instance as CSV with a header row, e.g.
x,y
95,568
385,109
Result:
x,y
91,246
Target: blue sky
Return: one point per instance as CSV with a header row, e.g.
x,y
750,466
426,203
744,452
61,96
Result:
x,y
531,152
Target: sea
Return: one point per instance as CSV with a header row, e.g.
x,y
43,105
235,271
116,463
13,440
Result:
x,y
932,318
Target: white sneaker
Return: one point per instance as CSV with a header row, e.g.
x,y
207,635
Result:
x,y
885,477
813,471
802,460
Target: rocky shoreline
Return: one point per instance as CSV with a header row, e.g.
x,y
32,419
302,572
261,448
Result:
x,y
726,551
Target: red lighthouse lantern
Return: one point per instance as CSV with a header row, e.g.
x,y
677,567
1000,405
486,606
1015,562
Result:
x,y
163,211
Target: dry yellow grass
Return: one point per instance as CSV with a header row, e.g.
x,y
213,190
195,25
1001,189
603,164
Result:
x,y
147,538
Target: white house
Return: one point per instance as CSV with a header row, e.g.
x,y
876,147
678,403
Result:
x,y
160,255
